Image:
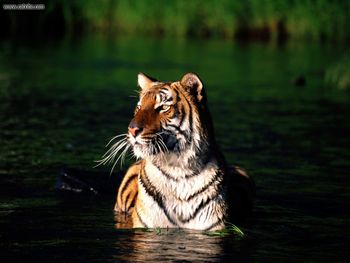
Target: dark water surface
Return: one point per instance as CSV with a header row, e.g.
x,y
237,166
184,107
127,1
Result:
x,y
60,103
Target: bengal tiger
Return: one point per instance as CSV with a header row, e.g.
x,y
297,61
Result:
x,y
181,179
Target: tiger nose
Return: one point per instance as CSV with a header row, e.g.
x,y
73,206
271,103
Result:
x,y
134,130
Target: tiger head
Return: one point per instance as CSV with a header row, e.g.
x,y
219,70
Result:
x,y
170,118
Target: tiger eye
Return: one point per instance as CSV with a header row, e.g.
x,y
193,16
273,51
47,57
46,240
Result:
x,y
163,108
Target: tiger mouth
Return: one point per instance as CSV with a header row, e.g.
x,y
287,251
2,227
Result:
x,y
148,145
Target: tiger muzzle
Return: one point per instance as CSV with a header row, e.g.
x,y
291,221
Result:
x,y
135,127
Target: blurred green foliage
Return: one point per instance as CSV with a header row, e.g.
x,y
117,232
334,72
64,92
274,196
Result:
x,y
312,19
338,74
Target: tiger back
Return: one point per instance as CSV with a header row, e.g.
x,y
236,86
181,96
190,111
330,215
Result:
x,y
181,178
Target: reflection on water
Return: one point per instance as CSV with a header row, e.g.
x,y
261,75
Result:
x,y
182,245
168,245
122,220
60,104
159,245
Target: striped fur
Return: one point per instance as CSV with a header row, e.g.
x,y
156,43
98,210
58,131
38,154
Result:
x,y
180,178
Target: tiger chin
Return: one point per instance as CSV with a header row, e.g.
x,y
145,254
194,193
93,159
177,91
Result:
x,y
181,179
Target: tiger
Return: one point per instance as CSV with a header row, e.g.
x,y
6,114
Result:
x,y
181,179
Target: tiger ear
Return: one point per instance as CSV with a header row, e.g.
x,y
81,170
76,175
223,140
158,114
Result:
x,y
193,85
145,81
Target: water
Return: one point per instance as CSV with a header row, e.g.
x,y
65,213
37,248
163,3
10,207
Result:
x,y
61,102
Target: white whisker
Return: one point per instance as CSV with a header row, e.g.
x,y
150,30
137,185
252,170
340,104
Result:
x,y
113,154
115,137
161,141
115,146
110,154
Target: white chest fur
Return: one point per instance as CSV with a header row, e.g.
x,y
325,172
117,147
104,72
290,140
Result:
x,y
176,199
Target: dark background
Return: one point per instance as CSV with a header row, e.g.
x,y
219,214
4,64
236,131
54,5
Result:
x,y
277,75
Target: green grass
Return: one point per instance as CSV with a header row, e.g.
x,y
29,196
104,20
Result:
x,y
313,19
230,229
316,19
